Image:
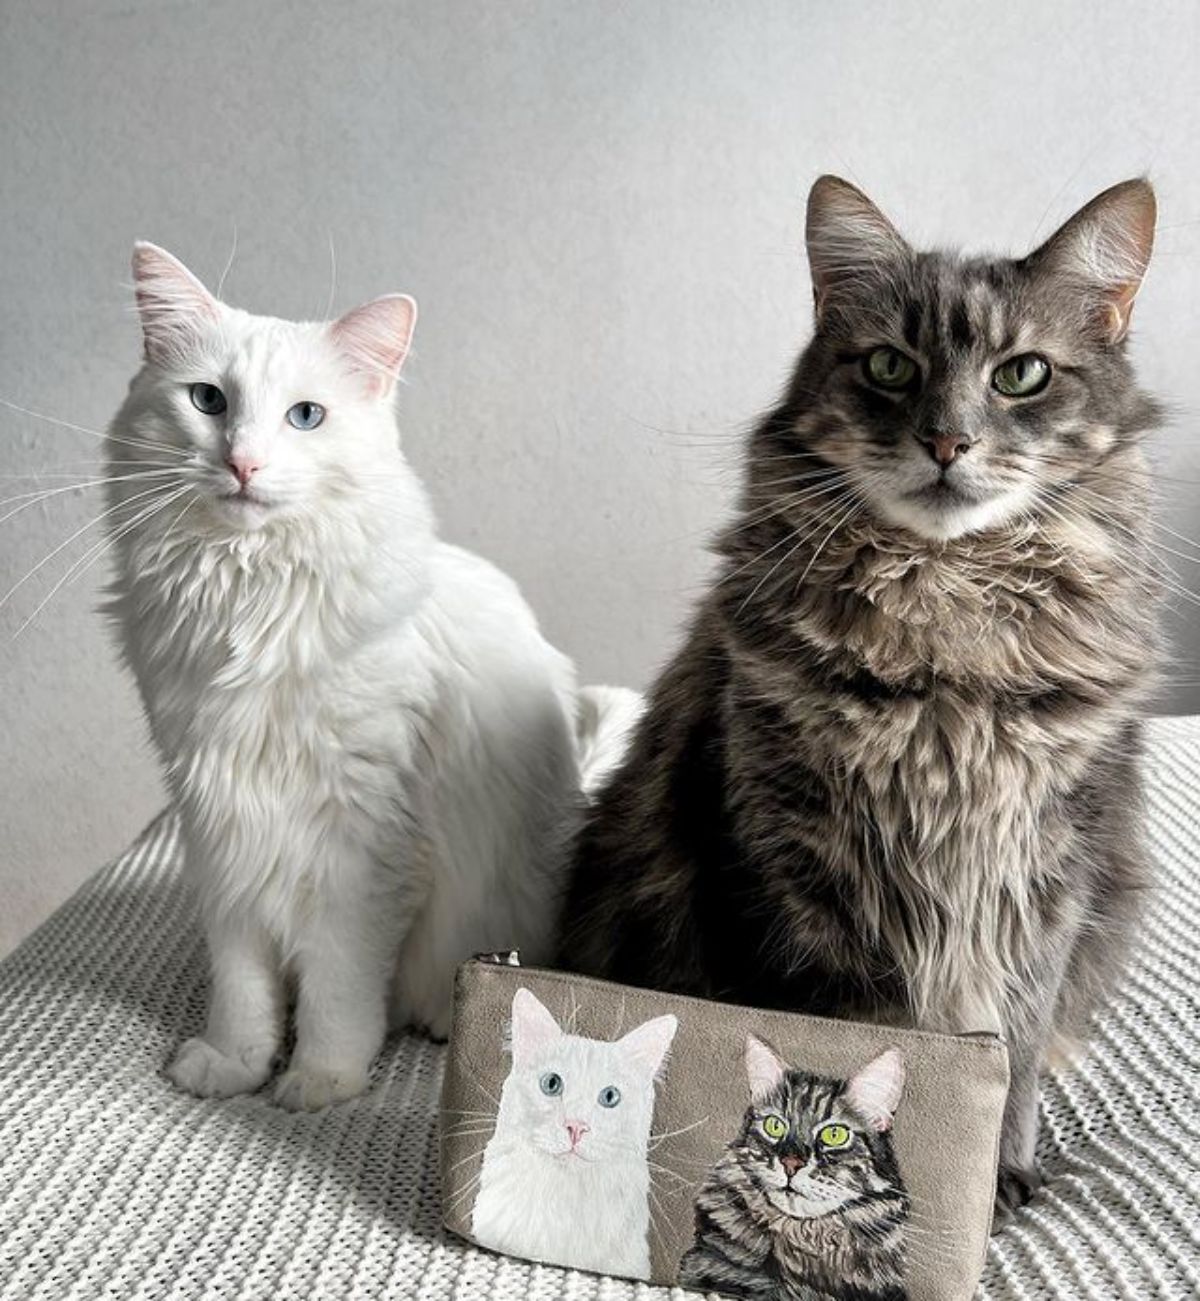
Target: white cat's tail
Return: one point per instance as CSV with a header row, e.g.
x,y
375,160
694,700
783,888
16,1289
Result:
x,y
603,726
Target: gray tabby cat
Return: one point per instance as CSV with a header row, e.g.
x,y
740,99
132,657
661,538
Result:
x,y
807,1202
894,770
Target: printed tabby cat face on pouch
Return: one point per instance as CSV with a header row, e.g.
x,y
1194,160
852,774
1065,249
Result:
x,y
957,392
807,1200
275,418
810,1144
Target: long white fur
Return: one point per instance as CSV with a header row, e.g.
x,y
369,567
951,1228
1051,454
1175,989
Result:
x,y
373,750
543,1196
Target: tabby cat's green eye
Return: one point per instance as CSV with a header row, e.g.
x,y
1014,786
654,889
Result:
x,y
888,368
834,1136
774,1126
1022,377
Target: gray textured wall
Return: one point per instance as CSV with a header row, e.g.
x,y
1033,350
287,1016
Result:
x,y
598,206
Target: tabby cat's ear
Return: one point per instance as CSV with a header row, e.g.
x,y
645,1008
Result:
x,y
374,339
765,1069
1101,254
533,1027
174,306
647,1045
875,1091
846,235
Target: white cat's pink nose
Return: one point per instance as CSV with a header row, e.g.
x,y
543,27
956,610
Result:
x,y
243,467
576,1129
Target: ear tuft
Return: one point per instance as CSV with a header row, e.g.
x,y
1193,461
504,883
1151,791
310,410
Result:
x,y
765,1068
1101,255
875,1091
174,306
846,236
375,338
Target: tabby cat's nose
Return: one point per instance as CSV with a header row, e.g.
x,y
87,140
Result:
x,y
944,448
790,1164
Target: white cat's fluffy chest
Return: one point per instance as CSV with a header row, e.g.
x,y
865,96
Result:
x,y
280,710
562,1209
353,719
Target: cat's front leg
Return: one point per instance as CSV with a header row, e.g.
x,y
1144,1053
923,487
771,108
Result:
x,y
343,968
1018,1176
245,1015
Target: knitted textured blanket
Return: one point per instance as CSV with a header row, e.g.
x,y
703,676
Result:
x,y
113,1185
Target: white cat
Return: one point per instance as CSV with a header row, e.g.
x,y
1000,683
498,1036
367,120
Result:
x,y
565,1177
374,753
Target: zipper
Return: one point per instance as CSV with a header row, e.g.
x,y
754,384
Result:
x,y
512,958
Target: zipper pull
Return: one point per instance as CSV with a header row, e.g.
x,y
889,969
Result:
x,y
501,958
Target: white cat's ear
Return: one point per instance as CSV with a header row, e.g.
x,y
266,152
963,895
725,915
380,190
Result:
x,y
1101,254
533,1027
846,235
174,306
765,1069
647,1045
374,339
875,1091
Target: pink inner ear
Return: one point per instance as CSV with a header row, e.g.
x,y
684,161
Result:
x,y
375,339
174,306
649,1043
533,1027
764,1067
875,1091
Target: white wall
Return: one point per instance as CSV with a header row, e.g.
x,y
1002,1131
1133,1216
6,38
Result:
x,y
598,206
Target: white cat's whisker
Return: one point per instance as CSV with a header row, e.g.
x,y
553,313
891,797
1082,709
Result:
x,y
95,552
472,1156
92,433
225,270
332,280
33,498
61,471
45,560
657,1139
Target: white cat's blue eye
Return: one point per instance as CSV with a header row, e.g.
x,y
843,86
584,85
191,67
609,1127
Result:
x,y
609,1096
305,415
207,398
551,1084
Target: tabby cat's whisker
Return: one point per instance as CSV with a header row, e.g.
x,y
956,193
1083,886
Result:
x,y
821,520
756,559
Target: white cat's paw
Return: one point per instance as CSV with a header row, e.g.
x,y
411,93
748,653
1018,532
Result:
x,y
309,1088
207,1072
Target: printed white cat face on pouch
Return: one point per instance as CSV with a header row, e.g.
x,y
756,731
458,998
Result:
x,y
565,1177
579,1098
275,417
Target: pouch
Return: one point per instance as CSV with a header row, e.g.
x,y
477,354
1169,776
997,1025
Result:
x,y
756,1154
